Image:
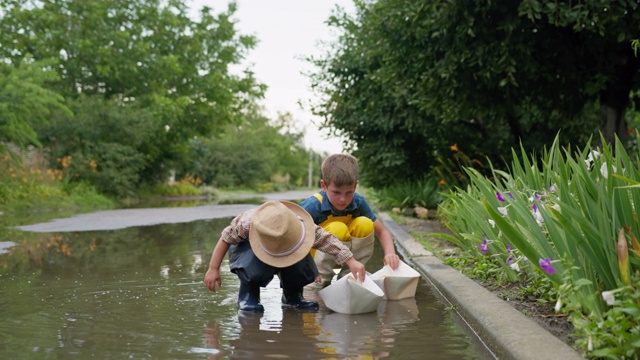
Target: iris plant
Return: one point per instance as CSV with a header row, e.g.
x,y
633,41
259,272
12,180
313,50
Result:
x,y
545,264
483,246
584,207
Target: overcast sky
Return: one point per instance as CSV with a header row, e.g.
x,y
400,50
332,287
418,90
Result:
x,y
287,31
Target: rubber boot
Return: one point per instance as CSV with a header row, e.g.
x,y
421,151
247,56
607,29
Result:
x,y
294,298
249,298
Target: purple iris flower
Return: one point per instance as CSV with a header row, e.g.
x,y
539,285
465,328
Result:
x,y
510,195
535,207
483,246
499,196
545,264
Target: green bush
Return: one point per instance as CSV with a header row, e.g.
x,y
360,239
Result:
x,y
425,193
104,143
23,189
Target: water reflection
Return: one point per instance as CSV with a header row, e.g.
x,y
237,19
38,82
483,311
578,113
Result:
x,y
346,334
138,293
300,334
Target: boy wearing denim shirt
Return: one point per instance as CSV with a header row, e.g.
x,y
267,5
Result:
x,y
340,210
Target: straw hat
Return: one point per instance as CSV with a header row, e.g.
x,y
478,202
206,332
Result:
x,y
281,233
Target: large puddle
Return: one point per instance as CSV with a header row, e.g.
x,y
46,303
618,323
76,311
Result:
x,y
138,293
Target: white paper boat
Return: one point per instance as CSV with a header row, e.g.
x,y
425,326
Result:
x,y
397,284
349,296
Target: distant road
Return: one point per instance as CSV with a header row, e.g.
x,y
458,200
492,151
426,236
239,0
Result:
x,y
124,218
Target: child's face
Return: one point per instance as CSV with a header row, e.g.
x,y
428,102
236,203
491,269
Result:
x,y
339,196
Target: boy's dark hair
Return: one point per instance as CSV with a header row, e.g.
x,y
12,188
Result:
x,y
340,170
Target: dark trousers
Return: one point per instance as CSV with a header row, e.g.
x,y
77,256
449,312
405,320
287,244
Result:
x,y
246,265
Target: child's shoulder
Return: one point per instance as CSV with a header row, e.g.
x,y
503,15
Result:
x,y
358,195
359,199
313,200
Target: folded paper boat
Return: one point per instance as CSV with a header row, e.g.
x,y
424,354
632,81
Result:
x,y
397,284
349,296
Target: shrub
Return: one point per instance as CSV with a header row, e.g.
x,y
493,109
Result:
x,y
425,193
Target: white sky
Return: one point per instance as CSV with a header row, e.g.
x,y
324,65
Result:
x,y
287,31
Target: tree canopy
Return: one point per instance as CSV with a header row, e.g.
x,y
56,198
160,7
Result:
x,y
250,155
409,80
25,102
142,54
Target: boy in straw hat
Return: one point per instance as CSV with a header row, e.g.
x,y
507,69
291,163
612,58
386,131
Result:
x,y
275,239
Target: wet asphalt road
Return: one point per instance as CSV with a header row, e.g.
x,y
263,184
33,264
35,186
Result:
x,y
124,218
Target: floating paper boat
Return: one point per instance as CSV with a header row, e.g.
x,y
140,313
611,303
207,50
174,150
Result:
x,y
397,284
350,296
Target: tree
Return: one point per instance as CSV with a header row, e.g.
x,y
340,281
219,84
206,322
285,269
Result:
x,y
604,31
101,143
250,154
148,52
25,102
407,80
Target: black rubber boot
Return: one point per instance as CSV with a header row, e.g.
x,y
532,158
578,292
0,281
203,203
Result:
x,y
294,298
249,298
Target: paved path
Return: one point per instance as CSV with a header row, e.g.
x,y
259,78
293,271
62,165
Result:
x,y
124,218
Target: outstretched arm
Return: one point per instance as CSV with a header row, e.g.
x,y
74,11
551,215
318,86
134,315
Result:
x,y
212,277
386,241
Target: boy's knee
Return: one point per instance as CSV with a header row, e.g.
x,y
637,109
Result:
x,y
339,229
361,227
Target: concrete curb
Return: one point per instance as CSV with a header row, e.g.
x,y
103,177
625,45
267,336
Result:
x,y
504,330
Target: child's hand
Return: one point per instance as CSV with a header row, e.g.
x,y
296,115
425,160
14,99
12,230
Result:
x,y
392,260
357,269
212,278
318,279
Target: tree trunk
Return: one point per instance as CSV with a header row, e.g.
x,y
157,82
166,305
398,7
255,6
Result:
x,y
515,129
612,123
614,98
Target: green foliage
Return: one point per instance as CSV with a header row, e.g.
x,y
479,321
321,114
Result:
x,y
574,209
145,54
104,143
25,102
176,190
23,189
425,193
493,274
85,196
478,268
116,171
616,335
406,81
451,170
249,156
